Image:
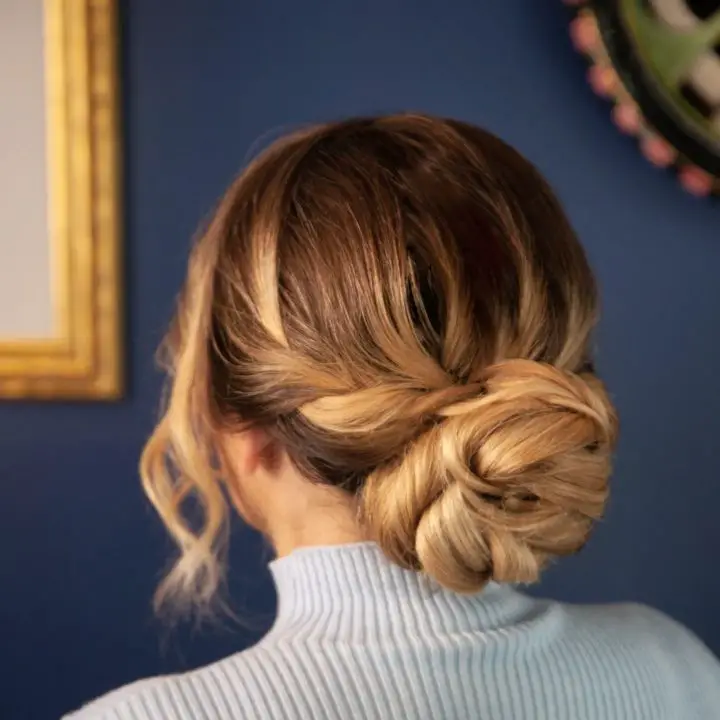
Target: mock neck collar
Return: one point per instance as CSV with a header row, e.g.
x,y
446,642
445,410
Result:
x,y
353,590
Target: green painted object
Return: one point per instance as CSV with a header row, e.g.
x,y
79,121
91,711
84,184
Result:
x,y
679,43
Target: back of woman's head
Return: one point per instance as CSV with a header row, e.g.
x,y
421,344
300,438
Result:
x,y
400,303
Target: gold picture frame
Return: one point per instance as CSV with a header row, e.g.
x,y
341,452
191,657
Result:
x,y
83,358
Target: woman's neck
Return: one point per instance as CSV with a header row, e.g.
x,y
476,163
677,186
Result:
x,y
317,516
354,592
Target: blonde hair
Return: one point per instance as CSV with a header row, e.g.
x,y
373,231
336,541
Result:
x,y
401,303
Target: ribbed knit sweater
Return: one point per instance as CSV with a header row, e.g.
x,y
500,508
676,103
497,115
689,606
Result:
x,y
357,637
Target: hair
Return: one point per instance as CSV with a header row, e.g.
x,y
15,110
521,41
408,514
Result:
x,y
401,303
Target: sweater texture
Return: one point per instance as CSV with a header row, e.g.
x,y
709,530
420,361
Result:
x,y
359,638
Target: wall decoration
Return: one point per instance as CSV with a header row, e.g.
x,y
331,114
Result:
x,y
658,61
60,323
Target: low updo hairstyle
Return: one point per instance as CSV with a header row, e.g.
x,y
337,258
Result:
x,y
401,303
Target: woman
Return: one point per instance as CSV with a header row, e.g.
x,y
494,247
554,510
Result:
x,y
381,359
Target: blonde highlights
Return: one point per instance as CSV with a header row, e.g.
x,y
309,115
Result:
x,y
401,303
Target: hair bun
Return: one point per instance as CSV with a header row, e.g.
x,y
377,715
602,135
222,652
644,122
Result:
x,y
502,483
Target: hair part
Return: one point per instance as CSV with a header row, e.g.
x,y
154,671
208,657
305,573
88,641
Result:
x,y
401,303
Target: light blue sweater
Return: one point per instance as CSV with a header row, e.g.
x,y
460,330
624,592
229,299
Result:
x,y
357,637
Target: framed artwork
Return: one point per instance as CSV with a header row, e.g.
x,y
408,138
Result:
x,y
60,255
658,62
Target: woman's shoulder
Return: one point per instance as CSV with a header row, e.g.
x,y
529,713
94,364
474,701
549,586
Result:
x,y
126,701
634,644
246,685
220,691
631,636
644,628
640,623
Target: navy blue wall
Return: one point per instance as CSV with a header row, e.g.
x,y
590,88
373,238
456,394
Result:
x,y
80,550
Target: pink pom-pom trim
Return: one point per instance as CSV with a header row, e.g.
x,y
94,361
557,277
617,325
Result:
x,y
696,181
603,80
657,151
627,117
584,33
